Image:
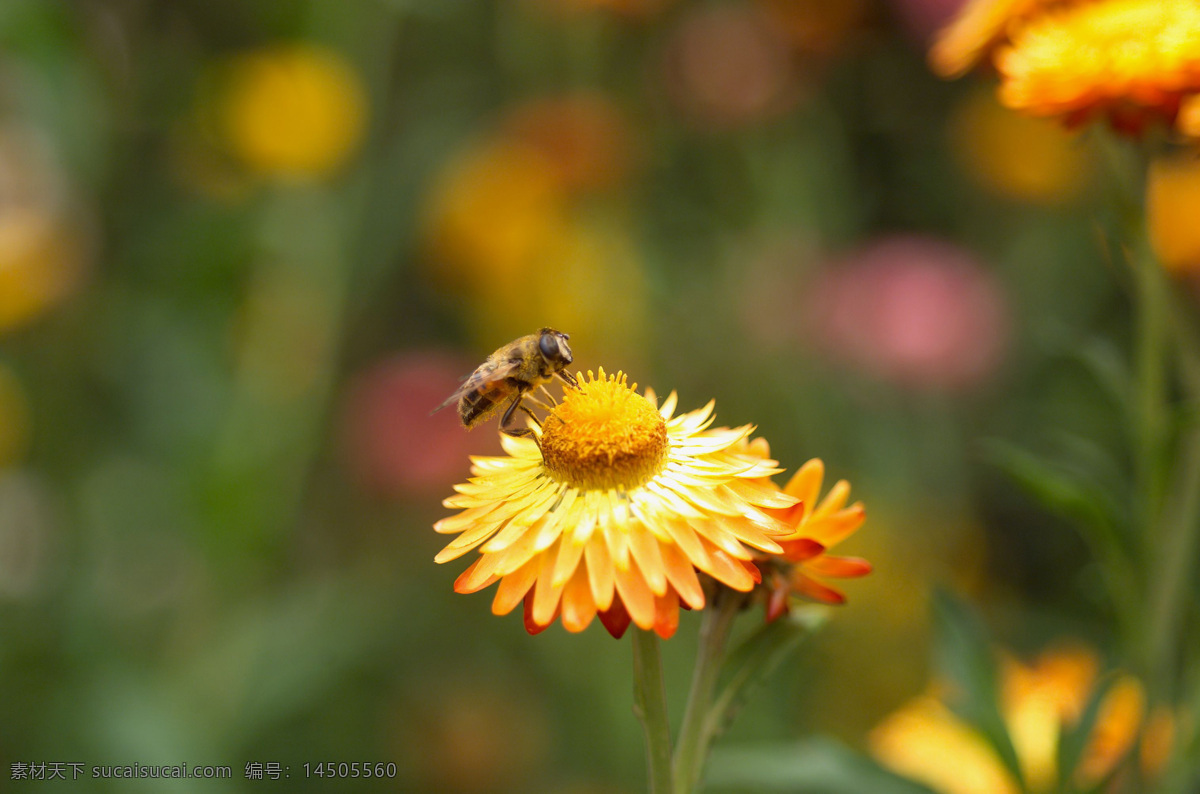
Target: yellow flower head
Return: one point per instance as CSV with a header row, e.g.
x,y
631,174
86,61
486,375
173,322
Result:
x,y
613,508
293,111
1130,60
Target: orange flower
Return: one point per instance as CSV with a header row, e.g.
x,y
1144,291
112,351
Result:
x,y
978,29
613,509
813,531
1130,60
1172,204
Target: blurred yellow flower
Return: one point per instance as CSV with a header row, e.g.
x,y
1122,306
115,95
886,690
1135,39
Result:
x,y
923,740
613,508
503,231
14,418
585,274
1130,60
1172,210
293,110
42,260
491,210
1016,156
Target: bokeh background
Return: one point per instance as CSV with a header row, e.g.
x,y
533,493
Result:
x,y
245,247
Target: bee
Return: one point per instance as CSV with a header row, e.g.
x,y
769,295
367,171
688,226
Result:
x,y
507,377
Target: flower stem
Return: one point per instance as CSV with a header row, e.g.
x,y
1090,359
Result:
x,y
650,705
1180,531
694,739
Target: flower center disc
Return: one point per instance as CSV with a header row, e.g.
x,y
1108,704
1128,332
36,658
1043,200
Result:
x,y
604,435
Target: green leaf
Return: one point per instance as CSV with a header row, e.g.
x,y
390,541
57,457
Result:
x,y
1107,366
809,766
1072,496
965,659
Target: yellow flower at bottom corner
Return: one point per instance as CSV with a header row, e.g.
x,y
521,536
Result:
x,y
614,508
924,741
1017,156
1038,698
1039,702
1172,209
293,111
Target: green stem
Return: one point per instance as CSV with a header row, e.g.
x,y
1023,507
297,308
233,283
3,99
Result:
x,y
1152,318
650,705
692,750
1150,427
1180,539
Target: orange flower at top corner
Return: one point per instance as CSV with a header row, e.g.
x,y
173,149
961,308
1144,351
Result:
x,y
615,508
1130,60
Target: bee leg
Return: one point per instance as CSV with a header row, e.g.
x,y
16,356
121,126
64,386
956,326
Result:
x,y
568,378
507,419
546,391
536,421
539,403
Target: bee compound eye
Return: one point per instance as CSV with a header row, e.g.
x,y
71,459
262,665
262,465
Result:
x,y
549,346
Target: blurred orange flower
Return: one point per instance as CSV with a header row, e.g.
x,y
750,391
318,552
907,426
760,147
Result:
x,y
491,209
293,111
923,740
1172,210
584,138
1016,156
45,232
817,525
506,229
42,260
815,27
978,28
613,508
1130,60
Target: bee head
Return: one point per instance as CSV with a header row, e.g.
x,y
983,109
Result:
x,y
554,348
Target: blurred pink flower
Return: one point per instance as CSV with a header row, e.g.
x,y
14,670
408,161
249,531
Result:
x,y
913,310
395,447
727,66
922,18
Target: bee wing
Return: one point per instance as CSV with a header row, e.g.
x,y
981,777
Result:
x,y
486,372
